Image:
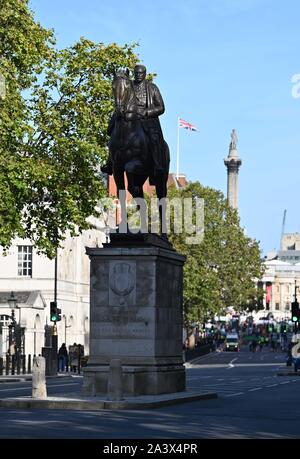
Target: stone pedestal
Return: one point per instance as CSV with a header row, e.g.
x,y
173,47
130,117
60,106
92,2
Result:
x,y
136,316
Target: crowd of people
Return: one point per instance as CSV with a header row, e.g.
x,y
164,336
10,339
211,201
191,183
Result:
x,y
257,337
70,359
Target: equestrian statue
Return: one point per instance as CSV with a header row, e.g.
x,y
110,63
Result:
x,y
136,146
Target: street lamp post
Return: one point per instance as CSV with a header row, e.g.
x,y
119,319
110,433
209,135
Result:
x,y
296,288
295,295
66,326
12,302
17,333
54,339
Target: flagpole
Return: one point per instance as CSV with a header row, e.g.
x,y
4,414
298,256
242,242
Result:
x,y
177,168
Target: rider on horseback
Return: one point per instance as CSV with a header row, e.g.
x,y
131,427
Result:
x,y
149,106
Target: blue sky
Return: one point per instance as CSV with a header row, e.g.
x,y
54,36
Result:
x,y
221,64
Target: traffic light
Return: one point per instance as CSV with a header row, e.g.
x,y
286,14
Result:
x,y
55,312
58,315
295,312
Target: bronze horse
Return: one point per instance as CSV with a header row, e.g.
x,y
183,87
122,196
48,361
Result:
x,y
130,148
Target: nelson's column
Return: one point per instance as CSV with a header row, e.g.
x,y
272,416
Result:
x,y
233,163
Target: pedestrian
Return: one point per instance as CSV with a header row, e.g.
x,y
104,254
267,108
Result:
x,y
273,342
62,357
253,345
289,357
13,348
73,355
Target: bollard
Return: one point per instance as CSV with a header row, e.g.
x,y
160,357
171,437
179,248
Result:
x,y
115,383
29,364
18,358
7,362
23,357
13,364
79,358
39,378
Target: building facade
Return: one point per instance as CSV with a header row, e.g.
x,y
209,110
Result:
x,y
31,276
281,281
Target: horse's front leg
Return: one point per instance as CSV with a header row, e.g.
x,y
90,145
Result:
x,y
161,191
135,187
121,191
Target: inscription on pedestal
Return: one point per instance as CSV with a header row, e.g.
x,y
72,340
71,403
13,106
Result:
x,y
138,330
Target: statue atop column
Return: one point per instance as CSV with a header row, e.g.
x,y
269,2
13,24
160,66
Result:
x,y
234,140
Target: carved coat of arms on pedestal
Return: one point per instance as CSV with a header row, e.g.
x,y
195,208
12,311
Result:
x,y
122,282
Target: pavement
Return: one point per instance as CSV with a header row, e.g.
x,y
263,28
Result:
x,y
77,402
12,379
74,401
28,377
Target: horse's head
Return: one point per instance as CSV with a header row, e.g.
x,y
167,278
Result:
x,y
121,90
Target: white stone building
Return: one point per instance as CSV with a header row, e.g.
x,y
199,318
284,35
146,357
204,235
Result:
x,y
279,282
30,277
282,277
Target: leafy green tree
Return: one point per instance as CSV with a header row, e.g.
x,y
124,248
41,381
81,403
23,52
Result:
x,y
53,128
222,270
24,48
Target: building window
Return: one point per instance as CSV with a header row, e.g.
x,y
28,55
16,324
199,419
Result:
x,y
25,260
287,306
277,306
5,320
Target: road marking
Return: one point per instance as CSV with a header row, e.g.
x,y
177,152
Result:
x,y
285,382
256,388
234,395
230,365
272,385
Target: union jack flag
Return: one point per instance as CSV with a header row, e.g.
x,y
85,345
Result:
x,y
186,125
